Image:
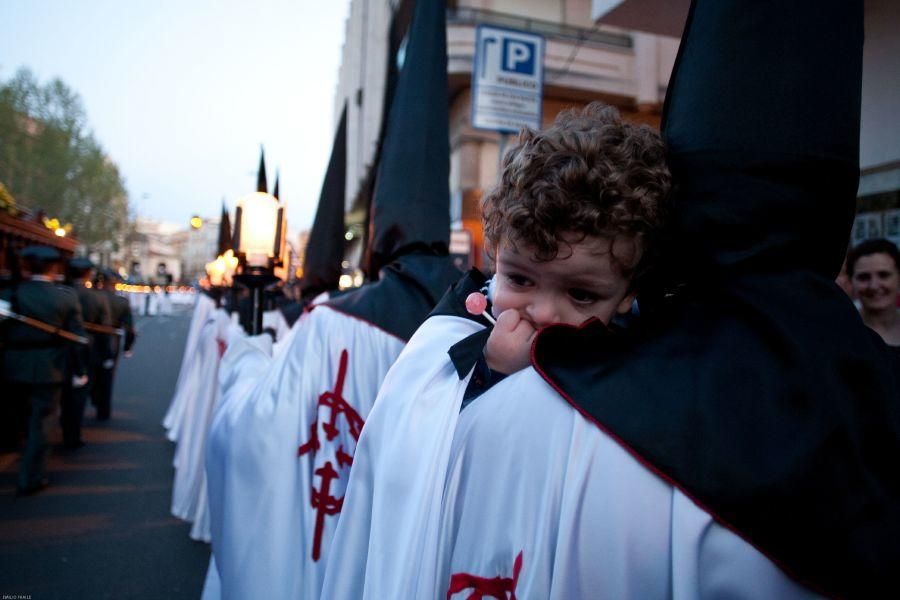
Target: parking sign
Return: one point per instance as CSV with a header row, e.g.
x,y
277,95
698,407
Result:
x,y
507,79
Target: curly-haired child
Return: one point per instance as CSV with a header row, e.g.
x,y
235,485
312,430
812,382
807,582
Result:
x,y
572,227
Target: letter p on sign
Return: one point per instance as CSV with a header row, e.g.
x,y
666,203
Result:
x,y
518,56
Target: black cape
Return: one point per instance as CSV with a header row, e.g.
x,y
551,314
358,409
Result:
x,y
406,291
757,390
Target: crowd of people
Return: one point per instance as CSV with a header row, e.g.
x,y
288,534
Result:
x,y
662,391
62,332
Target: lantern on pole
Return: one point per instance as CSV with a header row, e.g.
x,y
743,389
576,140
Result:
x,y
259,242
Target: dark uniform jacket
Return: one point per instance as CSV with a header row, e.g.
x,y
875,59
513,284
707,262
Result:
x,y
120,313
34,356
95,310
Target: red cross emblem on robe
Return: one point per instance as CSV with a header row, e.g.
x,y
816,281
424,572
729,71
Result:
x,y
322,499
501,588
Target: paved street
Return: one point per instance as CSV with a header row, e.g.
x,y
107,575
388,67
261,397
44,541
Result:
x,y
103,528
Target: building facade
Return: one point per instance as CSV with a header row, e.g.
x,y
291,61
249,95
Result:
x,y
583,61
878,206
152,252
196,247
878,209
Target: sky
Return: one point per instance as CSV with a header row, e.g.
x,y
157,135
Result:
x,y
182,93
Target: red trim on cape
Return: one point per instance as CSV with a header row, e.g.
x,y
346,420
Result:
x,y
487,587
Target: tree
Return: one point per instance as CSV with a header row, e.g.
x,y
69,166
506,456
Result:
x,y
49,160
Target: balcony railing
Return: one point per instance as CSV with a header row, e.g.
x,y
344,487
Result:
x,y
477,16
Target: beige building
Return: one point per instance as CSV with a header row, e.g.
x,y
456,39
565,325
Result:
x,y
879,184
151,250
878,208
583,61
196,247
590,54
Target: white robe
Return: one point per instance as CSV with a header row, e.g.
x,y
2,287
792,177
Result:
x,y
274,320
188,488
184,386
239,345
245,362
278,455
518,494
391,513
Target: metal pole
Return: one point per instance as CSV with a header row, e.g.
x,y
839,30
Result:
x,y
256,295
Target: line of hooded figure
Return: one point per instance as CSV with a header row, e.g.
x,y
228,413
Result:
x,y
661,392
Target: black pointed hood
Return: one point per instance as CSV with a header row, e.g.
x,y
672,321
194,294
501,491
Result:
x,y
325,247
225,241
277,179
261,184
411,204
802,174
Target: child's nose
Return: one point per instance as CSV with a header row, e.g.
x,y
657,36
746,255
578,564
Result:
x,y
542,311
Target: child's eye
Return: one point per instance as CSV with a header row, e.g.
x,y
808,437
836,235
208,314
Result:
x,y
583,296
518,280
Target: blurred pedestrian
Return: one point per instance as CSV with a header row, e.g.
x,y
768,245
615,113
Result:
x,y
96,315
120,313
37,354
875,278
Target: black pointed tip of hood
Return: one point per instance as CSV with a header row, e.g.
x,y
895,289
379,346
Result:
x,y
411,203
325,246
261,184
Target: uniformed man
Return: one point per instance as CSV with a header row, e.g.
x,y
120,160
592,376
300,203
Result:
x,y
120,313
35,361
96,314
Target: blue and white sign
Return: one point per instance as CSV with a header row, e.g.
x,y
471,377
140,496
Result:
x,y
507,79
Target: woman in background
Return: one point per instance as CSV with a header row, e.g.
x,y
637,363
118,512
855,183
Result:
x,y
875,276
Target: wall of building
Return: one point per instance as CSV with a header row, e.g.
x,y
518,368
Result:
x,y
582,62
361,84
880,139
879,153
546,10
198,247
153,243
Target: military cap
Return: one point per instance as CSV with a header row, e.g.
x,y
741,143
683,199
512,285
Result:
x,y
108,274
41,253
81,264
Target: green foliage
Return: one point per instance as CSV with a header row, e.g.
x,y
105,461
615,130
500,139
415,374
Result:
x,y
49,160
7,202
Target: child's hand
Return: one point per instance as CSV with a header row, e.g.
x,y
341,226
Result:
x,y
508,348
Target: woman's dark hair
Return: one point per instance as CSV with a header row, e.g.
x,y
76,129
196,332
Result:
x,y
869,247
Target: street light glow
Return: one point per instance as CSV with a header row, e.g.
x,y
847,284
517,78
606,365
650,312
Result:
x,y
196,222
259,225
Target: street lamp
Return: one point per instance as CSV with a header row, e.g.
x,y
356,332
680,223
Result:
x,y
259,240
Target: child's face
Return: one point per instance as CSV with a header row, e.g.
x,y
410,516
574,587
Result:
x,y
588,283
